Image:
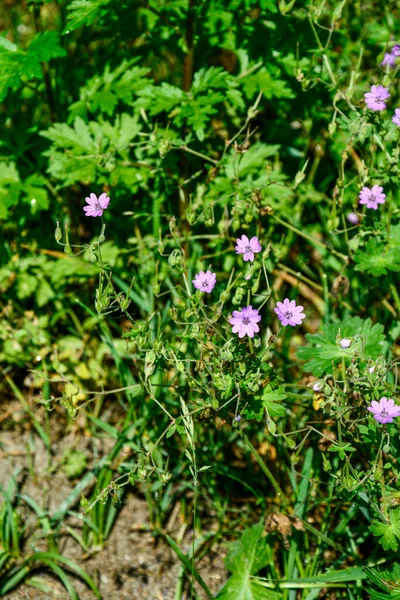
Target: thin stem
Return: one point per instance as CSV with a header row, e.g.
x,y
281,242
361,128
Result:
x,y
265,469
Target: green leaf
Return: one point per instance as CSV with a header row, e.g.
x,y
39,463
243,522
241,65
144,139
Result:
x,y
44,293
377,259
92,148
35,193
387,580
271,400
271,86
323,349
43,48
15,63
84,12
245,558
389,532
160,98
76,137
75,463
10,59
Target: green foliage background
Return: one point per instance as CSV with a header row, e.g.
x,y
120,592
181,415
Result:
x,y
203,121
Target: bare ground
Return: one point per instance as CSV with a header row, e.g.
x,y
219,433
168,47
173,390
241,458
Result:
x,y
133,564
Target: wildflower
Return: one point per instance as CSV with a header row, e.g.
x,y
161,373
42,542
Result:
x,y
288,313
396,118
238,418
318,386
96,205
245,321
205,282
385,410
396,50
371,369
389,60
352,218
375,99
372,197
248,247
345,343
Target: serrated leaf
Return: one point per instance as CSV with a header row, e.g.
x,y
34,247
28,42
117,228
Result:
x,y
43,48
75,463
323,350
35,193
15,63
389,532
160,98
83,13
271,400
76,137
387,580
377,259
10,187
245,558
263,81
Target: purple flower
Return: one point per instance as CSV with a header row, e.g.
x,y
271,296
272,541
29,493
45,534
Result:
x,y
345,343
385,410
396,50
96,205
288,313
318,386
352,218
389,60
396,118
205,282
375,99
247,247
245,321
372,197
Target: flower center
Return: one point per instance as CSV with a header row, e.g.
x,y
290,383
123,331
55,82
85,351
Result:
x,y
97,206
384,413
288,314
248,248
204,282
371,198
246,320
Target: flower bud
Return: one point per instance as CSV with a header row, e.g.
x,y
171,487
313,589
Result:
x,y
163,147
191,217
102,237
92,255
224,296
124,302
58,233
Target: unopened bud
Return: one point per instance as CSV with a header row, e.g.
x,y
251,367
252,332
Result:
x,y
102,237
58,233
190,217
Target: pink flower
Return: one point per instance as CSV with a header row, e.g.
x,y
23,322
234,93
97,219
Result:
x,y
352,218
288,313
396,50
385,410
205,282
375,99
96,205
396,118
372,197
245,321
389,60
248,247
345,343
